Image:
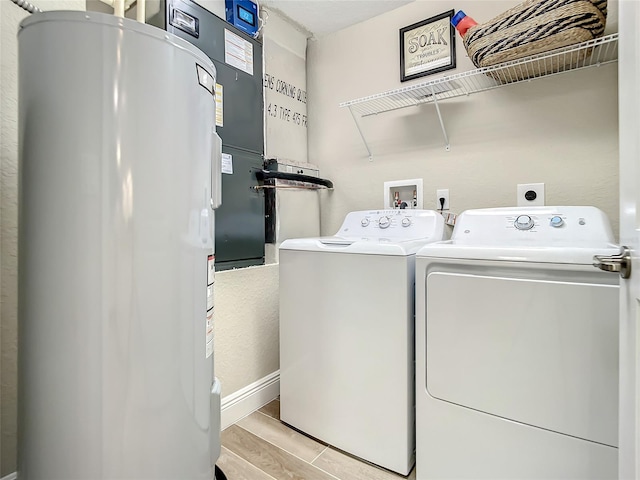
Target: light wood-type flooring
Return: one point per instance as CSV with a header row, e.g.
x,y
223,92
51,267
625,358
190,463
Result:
x,y
260,447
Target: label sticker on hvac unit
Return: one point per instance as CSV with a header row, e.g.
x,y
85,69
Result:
x,y
209,320
227,163
238,52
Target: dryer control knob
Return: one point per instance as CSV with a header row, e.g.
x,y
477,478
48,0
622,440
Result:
x,y
556,221
364,222
524,222
406,221
384,222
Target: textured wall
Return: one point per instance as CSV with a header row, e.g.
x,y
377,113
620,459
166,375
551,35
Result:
x,y
10,17
246,326
561,131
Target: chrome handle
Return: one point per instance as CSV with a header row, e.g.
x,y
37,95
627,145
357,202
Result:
x,y
620,263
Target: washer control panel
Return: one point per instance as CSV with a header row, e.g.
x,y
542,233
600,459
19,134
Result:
x,y
396,224
533,225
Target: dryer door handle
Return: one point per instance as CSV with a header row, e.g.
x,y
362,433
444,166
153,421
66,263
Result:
x,y
620,263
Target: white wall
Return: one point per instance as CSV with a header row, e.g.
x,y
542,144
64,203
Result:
x,y
246,341
561,131
10,17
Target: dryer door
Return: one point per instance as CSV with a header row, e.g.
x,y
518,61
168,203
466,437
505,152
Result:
x,y
508,341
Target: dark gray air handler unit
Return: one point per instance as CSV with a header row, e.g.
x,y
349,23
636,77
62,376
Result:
x,y
240,223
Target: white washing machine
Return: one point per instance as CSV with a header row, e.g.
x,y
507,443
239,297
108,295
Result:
x,y
347,334
517,348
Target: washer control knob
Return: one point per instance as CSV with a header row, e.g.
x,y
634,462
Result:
x,y
556,221
364,222
406,221
384,222
524,222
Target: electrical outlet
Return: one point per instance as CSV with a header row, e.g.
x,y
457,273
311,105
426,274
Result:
x,y
442,193
530,194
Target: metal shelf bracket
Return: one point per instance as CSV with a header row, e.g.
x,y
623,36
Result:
x,y
444,130
364,140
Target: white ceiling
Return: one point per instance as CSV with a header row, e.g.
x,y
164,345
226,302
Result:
x,y
321,17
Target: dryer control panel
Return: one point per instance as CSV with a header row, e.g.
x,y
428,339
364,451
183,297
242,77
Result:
x,y
543,226
396,224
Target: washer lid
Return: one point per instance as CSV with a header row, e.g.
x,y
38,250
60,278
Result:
x,y
367,246
378,232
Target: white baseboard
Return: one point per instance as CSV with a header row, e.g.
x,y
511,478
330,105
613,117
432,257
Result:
x,y
11,476
248,399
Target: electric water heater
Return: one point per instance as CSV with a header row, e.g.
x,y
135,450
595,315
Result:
x,y
119,177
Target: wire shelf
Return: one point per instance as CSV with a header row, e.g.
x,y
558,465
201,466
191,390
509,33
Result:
x,y
599,51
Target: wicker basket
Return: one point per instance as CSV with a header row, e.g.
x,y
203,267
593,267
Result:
x,y
533,27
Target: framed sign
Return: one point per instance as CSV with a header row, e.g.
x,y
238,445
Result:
x,y
427,47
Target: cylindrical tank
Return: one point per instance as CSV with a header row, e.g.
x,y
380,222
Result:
x,y
118,175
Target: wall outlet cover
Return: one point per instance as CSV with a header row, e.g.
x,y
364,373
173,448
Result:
x,y
530,194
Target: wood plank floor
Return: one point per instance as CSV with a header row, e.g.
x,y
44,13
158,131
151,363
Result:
x,y
260,447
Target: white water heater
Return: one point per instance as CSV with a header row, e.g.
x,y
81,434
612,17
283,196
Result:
x,y
119,176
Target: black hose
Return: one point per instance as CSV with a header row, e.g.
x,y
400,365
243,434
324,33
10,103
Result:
x,y
262,175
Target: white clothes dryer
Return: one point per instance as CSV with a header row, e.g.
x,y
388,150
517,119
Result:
x,y
517,348
347,334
